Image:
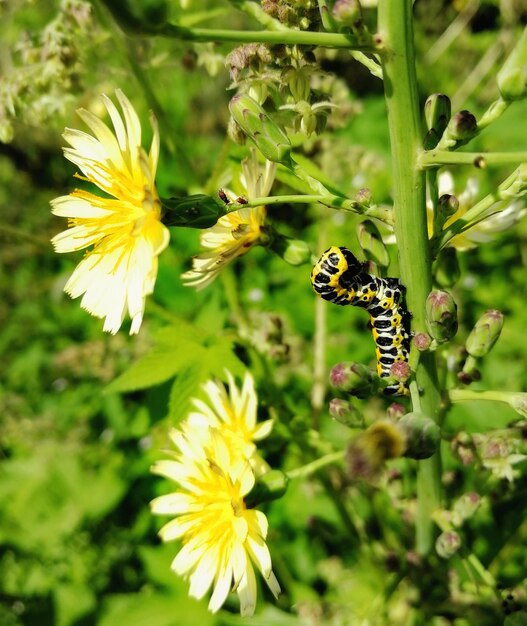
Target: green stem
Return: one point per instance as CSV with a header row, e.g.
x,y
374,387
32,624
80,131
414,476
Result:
x,y
436,158
316,465
133,24
468,395
402,101
381,212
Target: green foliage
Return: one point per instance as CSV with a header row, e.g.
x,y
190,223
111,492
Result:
x,y
83,415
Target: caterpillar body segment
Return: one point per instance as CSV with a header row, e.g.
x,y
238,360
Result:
x,y
340,278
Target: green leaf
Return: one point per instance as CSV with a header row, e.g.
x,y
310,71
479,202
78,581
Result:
x,y
157,367
72,602
516,619
185,387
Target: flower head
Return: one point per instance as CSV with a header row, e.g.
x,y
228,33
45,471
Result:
x,y
234,414
124,230
501,215
237,232
222,539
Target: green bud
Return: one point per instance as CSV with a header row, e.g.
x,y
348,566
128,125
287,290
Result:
x,y
344,412
354,378
268,137
347,12
446,207
197,211
437,115
446,268
512,78
485,333
462,127
447,544
371,242
363,197
292,251
422,435
466,506
441,316
515,185
270,486
519,403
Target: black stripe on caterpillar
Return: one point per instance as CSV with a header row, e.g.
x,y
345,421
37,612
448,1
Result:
x,y
340,278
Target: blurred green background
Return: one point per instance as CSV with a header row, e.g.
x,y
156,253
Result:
x,y
78,545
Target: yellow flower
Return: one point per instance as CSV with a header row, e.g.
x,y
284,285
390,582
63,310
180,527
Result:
x,y
237,232
221,538
124,229
234,414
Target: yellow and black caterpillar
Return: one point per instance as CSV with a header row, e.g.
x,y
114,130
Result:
x,y
340,278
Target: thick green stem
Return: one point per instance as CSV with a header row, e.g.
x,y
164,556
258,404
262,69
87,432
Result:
x,y
402,101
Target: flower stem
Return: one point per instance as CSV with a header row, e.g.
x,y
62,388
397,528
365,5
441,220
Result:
x,y
402,101
436,158
133,24
380,212
316,465
468,395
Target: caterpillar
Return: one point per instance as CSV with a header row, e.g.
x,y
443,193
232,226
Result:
x,y
340,278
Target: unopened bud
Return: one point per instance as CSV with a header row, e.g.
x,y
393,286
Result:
x,y
441,316
235,133
368,452
515,185
197,211
422,341
292,251
485,333
466,506
395,411
268,137
347,12
446,268
422,435
371,242
512,78
270,486
353,378
400,371
344,412
447,544
462,127
447,206
519,403
363,197
437,115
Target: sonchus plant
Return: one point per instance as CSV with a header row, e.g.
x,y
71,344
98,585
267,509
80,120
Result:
x,y
278,113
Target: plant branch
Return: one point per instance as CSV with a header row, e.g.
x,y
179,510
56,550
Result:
x,y
436,158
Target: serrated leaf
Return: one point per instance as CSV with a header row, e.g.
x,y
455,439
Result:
x,y
220,357
158,366
185,388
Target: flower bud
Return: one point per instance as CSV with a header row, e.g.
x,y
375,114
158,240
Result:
x,y
400,371
353,378
437,115
422,341
462,127
515,185
347,12
446,268
395,411
447,544
371,242
292,251
512,78
422,435
363,197
271,486
344,412
368,452
268,137
197,211
466,506
441,316
447,206
485,333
